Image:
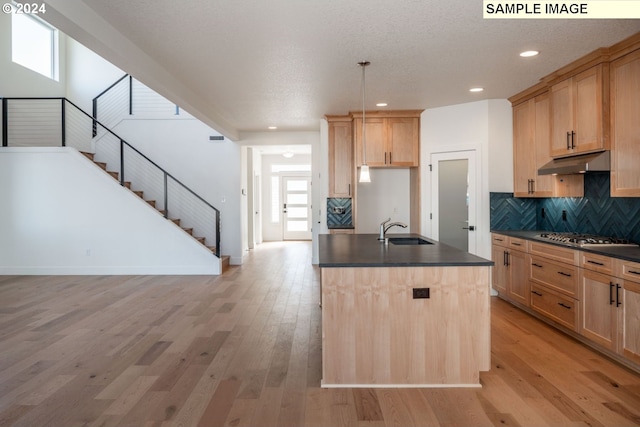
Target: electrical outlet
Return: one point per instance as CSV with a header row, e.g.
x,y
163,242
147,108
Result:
x,y
564,215
420,293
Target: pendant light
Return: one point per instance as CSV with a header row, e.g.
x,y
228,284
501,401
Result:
x,y
364,169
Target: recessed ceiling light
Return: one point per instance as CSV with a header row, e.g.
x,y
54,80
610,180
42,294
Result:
x,y
288,154
273,127
529,53
476,89
381,104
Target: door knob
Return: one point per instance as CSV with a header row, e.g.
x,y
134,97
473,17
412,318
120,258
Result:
x,y
470,228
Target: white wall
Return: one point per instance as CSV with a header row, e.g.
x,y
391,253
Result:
x,y
212,169
61,214
16,80
485,126
386,196
87,75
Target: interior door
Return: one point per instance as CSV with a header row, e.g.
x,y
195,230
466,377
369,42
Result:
x,y
296,208
454,193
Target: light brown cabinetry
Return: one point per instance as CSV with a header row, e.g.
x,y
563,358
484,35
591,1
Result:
x,y
531,151
579,113
625,126
554,278
392,138
611,301
509,276
341,164
629,326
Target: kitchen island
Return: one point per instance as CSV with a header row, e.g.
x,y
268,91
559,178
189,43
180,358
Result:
x,y
402,315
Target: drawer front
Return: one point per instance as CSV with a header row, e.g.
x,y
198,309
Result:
x,y
499,239
518,244
562,277
554,252
599,263
628,270
555,306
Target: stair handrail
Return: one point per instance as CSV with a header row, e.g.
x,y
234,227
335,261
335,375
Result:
x,y
122,142
94,102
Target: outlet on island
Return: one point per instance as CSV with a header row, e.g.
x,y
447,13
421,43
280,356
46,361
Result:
x,y
419,293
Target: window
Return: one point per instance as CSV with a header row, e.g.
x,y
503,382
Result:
x,y
34,44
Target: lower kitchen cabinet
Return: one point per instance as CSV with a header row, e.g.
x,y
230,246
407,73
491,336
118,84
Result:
x,y
594,297
556,306
509,276
518,288
600,302
629,274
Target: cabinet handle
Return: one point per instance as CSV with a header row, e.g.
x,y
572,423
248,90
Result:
x,y
390,161
564,274
634,272
568,142
594,262
565,306
618,303
385,157
610,293
505,258
536,265
573,145
533,186
536,293
516,244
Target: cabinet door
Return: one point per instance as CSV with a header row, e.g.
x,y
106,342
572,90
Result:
x,y
375,141
625,126
403,145
500,273
588,119
523,141
518,288
341,166
599,309
630,342
561,118
543,185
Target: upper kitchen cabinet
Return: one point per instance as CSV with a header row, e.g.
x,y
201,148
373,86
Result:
x,y
531,151
392,138
625,125
580,113
341,164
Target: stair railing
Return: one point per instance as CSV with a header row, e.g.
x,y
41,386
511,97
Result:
x,y
58,122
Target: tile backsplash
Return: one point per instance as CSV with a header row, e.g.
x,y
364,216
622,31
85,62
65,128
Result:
x,y
595,213
339,213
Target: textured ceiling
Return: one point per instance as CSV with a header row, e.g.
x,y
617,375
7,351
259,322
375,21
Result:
x,y
249,64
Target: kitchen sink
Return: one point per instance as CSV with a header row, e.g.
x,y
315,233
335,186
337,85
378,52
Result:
x,y
408,241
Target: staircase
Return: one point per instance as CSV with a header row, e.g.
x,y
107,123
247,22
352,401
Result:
x,y
189,230
56,122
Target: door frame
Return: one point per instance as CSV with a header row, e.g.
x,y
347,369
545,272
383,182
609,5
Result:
x,y
475,189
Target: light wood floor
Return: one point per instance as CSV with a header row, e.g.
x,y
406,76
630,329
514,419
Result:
x,y
244,349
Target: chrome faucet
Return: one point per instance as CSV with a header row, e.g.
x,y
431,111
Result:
x,y
384,228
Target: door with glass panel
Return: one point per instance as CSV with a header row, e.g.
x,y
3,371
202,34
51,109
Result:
x,y
296,208
454,190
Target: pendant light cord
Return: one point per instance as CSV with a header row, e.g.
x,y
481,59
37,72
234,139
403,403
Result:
x,y
363,64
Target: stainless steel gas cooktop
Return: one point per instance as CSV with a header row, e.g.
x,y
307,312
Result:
x,y
584,240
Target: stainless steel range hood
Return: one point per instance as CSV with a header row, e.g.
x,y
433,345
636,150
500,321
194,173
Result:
x,y
595,162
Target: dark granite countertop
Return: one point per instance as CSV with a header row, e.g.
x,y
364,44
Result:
x,y
364,250
629,253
